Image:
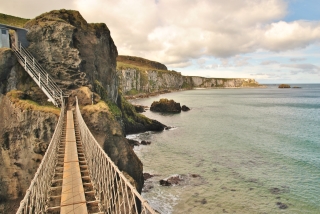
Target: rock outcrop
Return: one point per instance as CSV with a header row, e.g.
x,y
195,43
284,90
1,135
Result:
x,y
74,52
165,105
185,108
134,122
139,75
284,86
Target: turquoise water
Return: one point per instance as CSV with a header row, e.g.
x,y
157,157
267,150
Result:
x,y
254,149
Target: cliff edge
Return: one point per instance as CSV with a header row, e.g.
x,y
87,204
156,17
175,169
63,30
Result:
x,y
138,75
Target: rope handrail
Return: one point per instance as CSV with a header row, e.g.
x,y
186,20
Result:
x,y
37,194
112,188
38,74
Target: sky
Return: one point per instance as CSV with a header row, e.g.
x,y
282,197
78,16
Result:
x,y
272,41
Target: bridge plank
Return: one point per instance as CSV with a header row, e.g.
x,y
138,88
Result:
x,y
72,196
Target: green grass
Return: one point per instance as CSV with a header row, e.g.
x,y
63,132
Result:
x,y
132,92
16,98
141,64
12,20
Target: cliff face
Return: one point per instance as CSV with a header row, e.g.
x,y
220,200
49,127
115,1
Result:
x,y
24,137
139,75
74,52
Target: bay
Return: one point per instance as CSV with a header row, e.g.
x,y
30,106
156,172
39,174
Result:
x,y
255,151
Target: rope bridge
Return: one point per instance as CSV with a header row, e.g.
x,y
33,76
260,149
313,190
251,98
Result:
x,y
100,186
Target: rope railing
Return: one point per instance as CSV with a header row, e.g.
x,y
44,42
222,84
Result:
x,y
38,74
112,188
37,194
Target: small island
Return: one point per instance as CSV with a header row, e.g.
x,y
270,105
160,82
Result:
x,y
284,86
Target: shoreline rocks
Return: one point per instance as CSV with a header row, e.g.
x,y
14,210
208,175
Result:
x,y
133,143
173,180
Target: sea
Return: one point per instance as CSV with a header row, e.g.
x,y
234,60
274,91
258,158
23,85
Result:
x,y
245,150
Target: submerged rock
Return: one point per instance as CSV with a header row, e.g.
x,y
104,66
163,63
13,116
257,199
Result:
x,y
165,105
282,205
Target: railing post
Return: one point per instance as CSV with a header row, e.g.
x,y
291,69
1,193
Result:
x,y
39,80
47,79
25,62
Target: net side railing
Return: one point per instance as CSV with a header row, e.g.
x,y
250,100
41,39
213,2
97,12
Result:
x,y
38,74
112,188
36,196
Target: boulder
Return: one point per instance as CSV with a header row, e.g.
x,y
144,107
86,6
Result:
x,y
146,176
165,105
173,180
185,108
143,142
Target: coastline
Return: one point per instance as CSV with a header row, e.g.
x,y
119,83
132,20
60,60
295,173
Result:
x,y
166,91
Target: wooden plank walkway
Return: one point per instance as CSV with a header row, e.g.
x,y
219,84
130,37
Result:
x,y
72,196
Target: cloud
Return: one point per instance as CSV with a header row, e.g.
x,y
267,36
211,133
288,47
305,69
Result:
x,y
297,59
33,8
282,36
269,62
178,32
303,68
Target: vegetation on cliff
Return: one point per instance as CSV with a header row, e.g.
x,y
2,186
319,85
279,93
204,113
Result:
x,y
23,101
12,20
139,62
135,122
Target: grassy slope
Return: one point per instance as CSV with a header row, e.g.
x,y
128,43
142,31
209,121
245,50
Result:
x,y
12,20
140,64
17,98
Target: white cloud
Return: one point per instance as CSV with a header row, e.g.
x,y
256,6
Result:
x,y
286,36
297,59
178,32
268,62
303,68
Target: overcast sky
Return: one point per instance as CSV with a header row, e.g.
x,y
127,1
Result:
x,y
273,41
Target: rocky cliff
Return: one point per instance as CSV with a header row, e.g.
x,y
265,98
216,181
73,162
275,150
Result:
x,y
139,75
74,52
81,57
24,137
